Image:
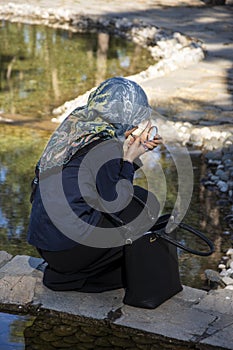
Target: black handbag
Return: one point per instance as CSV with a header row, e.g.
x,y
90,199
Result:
x,y
151,265
151,261
151,272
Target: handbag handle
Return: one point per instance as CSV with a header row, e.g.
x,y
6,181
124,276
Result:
x,y
186,227
160,233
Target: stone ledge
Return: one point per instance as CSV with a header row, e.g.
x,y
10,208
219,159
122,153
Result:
x,y
202,320
4,257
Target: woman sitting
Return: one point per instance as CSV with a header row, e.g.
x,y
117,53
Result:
x,y
83,189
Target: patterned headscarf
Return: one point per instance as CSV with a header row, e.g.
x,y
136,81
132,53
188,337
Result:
x,y
117,105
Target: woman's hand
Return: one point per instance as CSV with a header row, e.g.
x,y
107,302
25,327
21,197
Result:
x,y
136,145
133,150
157,140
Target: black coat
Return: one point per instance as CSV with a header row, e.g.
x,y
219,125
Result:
x,y
42,232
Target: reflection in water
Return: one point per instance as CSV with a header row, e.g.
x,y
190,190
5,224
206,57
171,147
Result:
x,y
41,67
20,149
51,333
12,331
101,58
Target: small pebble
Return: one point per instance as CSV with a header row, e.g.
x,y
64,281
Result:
x,y
225,258
230,252
222,266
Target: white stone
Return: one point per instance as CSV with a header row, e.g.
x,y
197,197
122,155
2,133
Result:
x,y
222,266
184,129
229,287
229,272
195,131
220,166
189,125
230,252
223,273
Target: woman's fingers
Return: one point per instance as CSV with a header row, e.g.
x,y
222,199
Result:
x,y
144,134
137,145
154,143
129,132
134,150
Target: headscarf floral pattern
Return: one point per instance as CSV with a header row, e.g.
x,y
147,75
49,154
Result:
x,y
117,105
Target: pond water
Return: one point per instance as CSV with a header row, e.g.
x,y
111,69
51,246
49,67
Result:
x,y
41,68
50,332
12,331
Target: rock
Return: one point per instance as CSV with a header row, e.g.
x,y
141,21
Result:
x,y
63,330
215,142
209,183
214,162
227,155
220,166
226,233
223,186
214,277
222,175
48,336
85,338
4,257
214,155
230,253
227,280
21,265
230,184
121,342
17,289
214,178
229,271
223,273
229,287
228,163
60,345
103,341
221,266
188,125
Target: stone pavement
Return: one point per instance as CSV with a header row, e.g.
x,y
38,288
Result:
x,y
192,319
204,90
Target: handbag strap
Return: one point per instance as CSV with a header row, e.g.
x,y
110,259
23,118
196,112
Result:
x,y
126,230
162,234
